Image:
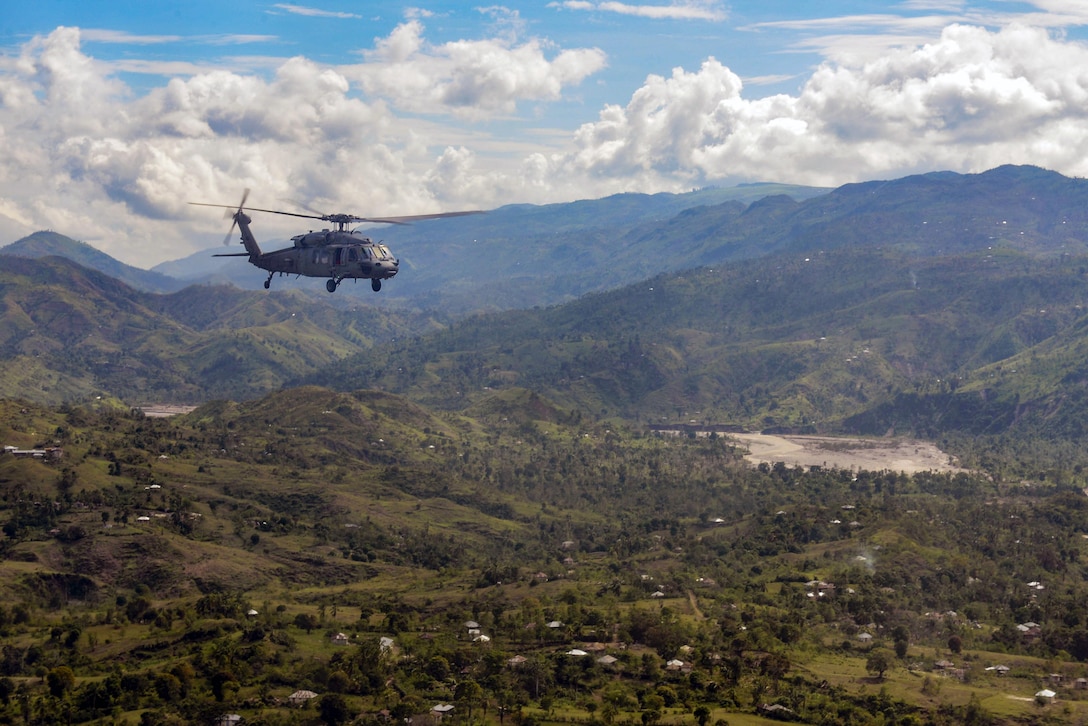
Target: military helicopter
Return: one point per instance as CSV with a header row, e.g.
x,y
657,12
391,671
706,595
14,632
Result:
x,y
338,254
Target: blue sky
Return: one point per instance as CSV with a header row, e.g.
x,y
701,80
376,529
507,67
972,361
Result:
x,y
114,114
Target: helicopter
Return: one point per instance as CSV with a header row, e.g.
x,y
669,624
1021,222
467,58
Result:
x,y
337,254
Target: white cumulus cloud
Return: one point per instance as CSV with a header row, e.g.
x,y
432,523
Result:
x,y
469,78
418,127
970,100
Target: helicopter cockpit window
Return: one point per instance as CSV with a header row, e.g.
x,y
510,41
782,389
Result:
x,y
382,251
353,255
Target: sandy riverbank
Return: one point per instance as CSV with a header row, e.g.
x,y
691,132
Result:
x,y
903,455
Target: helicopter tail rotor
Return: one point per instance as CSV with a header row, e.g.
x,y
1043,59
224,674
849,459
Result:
x,y
234,217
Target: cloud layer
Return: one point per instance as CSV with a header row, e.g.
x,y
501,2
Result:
x,y
416,128
971,100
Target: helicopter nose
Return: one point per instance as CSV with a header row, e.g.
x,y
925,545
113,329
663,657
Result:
x,y
385,269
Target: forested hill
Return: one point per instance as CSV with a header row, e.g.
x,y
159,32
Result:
x,y
933,304
831,341
68,334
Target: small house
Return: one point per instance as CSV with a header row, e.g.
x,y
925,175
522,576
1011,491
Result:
x,y
440,710
301,697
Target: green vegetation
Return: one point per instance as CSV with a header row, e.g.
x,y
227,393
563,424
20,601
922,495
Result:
x,y
71,334
984,352
174,570
371,513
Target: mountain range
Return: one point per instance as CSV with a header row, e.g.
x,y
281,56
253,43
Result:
x,y
931,304
512,257
478,489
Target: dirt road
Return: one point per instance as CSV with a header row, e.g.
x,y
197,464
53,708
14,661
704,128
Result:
x,y
846,453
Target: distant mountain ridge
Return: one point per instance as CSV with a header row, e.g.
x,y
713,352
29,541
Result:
x,y
942,302
522,256
516,256
47,243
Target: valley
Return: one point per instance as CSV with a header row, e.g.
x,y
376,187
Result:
x,y
459,508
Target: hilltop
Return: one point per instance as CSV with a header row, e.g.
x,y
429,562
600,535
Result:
x,y
47,244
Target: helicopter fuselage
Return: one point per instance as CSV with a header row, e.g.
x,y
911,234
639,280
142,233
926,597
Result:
x,y
332,254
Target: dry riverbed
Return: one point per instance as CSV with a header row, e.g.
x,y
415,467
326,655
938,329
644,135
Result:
x,y
903,455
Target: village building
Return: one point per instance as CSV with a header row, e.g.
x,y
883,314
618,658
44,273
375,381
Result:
x,y
300,697
53,452
440,710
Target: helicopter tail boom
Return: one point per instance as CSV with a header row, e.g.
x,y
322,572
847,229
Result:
x,y
248,240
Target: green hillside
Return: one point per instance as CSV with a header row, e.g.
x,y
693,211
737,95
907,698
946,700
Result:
x,y
828,342
170,571
68,333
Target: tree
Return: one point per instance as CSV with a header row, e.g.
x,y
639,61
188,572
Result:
x,y
877,663
60,680
955,644
702,715
221,682
333,709
468,693
339,682
306,621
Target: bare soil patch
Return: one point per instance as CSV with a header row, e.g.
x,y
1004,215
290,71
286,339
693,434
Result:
x,y
165,410
905,455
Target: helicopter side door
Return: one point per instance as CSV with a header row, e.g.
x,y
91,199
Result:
x,y
318,263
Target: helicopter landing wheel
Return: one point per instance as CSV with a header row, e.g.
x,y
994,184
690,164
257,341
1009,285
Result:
x,y
375,284
268,282
330,285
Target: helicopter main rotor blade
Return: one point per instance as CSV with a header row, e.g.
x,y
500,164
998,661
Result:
x,y
339,219
255,209
409,218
